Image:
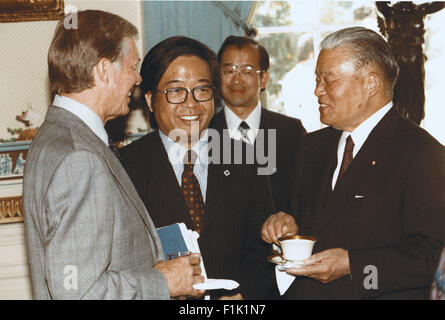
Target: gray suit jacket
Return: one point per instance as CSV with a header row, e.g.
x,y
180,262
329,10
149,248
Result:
x,y
88,233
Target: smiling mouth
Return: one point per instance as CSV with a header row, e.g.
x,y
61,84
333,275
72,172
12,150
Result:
x,y
322,105
189,118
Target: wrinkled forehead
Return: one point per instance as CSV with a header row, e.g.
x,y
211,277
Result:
x,y
336,60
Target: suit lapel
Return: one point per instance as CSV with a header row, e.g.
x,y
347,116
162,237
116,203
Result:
x,y
163,175
320,164
265,119
219,121
372,155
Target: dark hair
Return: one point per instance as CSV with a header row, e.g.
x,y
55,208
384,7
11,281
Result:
x,y
163,54
365,46
74,52
242,42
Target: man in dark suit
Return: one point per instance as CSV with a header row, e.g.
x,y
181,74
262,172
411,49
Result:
x,y
371,186
244,64
180,81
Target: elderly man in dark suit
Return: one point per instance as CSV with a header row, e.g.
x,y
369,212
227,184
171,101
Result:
x,y
88,234
371,186
182,176
244,67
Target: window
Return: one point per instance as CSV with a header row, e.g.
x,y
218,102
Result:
x,y
292,30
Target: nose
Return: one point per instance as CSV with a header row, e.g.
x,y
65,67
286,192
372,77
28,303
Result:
x,y
190,100
236,77
319,89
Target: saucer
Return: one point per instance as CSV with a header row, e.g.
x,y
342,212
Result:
x,y
214,284
290,264
284,264
276,258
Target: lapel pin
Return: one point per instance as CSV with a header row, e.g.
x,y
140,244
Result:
x,y
226,173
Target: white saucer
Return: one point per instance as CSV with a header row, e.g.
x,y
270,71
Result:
x,y
213,284
284,264
276,258
290,264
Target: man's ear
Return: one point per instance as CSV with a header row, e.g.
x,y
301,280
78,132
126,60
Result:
x,y
102,70
374,83
264,79
148,97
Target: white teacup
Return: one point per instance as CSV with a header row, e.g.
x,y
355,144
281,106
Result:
x,y
297,248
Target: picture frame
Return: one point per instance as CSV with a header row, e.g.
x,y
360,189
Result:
x,y
30,10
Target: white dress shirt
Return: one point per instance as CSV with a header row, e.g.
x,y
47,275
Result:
x,y
359,136
176,154
88,116
233,122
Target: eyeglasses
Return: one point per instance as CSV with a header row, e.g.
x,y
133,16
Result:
x,y
179,95
244,70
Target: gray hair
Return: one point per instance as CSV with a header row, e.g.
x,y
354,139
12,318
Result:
x,y
124,50
365,47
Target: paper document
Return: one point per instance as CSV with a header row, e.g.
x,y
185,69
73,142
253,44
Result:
x,y
177,238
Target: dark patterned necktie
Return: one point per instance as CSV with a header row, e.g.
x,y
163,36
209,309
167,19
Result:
x,y
244,129
347,157
192,192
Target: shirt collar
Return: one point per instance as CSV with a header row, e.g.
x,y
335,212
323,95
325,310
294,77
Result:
x,y
253,120
361,133
88,116
176,152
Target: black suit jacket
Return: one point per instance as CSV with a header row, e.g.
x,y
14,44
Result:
x,y
388,210
289,134
235,209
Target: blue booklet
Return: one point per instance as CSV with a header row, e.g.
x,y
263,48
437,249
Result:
x,y
177,238
172,239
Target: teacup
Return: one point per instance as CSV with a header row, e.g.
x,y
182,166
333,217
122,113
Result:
x,y
297,248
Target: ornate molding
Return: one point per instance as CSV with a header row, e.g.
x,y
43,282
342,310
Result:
x,y
30,10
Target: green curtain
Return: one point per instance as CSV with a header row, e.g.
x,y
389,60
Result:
x,y
207,21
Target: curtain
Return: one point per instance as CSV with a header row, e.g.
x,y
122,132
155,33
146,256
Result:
x,y
207,21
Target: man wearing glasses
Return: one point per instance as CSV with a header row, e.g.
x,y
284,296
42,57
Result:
x,y
170,167
244,64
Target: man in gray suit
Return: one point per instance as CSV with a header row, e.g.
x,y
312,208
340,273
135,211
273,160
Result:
x,y
88,233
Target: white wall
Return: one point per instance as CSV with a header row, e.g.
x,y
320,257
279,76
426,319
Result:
x,y
14,273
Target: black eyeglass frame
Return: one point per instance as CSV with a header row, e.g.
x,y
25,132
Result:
x,y
187,90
